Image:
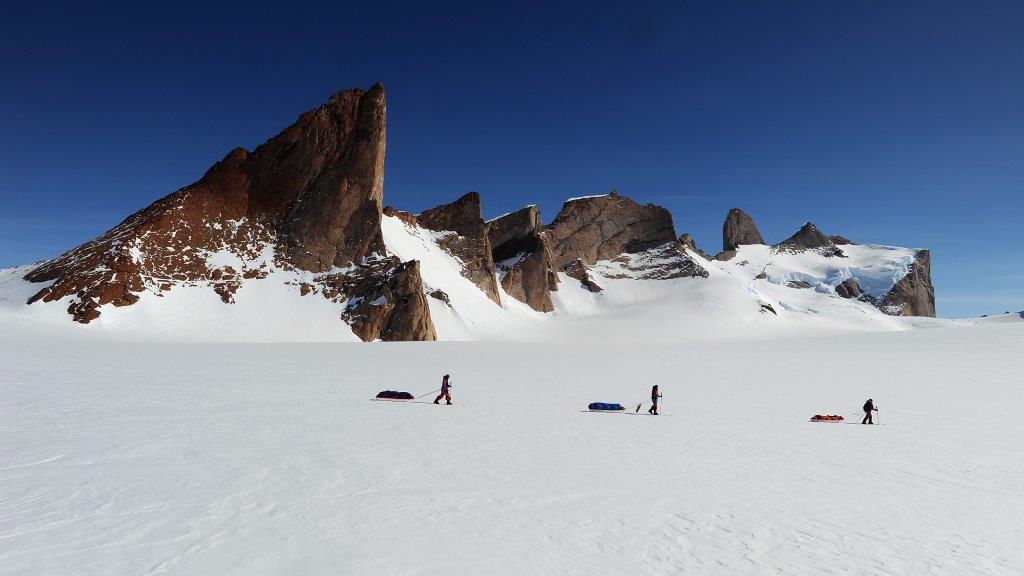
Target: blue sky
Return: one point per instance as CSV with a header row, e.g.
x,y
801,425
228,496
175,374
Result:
x,y
895,124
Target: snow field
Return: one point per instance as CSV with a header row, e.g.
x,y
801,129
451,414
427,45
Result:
x,y
142,458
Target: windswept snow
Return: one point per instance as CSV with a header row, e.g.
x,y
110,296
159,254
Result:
x,y
143,444
876,268
255,459
265,310
727,305
587,197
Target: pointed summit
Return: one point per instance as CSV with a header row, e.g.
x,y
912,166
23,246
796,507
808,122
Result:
x,y
311,196
808,237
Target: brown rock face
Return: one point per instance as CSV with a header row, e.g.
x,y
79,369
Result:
x,y
522,254
913,295
688,242
391,306
739,229
810,238
578,269
324,176
312,195
603,227
849,288
465,218
807,237
406,217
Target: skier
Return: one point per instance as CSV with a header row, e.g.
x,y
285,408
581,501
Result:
x,y
868,407
654,400
444,392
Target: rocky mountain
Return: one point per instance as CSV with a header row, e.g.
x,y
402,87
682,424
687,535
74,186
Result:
x,y
739,229
906,292
521,249
304,211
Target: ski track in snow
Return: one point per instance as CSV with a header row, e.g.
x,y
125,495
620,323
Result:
x,y
149,458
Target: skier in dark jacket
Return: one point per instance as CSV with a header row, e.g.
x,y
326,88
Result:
x,y
655,395
869,406
444,392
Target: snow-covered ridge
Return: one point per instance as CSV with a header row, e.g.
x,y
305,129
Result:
x,y
639,299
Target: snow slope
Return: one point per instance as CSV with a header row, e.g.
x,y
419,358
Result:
x,y
256,459
727,305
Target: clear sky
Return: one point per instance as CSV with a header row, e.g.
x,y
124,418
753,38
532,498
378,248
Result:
x,y
887,122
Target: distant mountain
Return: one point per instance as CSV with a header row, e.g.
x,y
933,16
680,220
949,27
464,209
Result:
x,y
302,217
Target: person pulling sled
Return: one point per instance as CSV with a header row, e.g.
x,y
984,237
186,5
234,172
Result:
x,y
445,386
869,407
655,395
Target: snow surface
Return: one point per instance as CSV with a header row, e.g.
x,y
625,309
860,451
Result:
x,y
727,305
587,197
222,459
165,438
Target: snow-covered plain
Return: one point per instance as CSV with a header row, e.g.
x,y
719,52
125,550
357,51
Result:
x,y
182,435
176,458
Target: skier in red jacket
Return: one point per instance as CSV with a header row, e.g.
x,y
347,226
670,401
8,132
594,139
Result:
x,y
444,392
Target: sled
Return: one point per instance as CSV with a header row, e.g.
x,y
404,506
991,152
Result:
x,y
394,395
828,418
624,412
605,407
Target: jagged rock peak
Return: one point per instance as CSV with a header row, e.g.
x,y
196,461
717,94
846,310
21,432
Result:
x,y
808,237
392,306
601,227
508,232
313,192
464,216
739,229
522,255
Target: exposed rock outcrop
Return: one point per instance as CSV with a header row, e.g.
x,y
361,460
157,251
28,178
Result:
x,y
578,269
442,296
406,217
664,262
603,227
308,199
391,305
307,206
810,238
913,295
522,254
469,242
849,288
688,242
807,237
739,229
